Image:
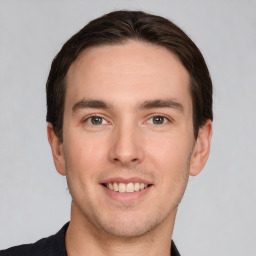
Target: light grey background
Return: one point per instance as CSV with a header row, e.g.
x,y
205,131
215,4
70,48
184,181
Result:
x,y
217,214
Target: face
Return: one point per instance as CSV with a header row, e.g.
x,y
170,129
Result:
x,y
128,144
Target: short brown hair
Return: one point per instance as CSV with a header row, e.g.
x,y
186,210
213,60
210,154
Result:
x,y
118,27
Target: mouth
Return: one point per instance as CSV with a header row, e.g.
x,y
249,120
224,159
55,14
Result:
x,y
126,187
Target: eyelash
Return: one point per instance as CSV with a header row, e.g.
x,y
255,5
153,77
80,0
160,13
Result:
x,y
166,120
94,116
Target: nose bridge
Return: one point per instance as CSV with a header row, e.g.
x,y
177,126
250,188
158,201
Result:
x,y
126,146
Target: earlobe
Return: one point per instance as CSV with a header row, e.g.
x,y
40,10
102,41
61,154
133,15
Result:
x,y
201,149
57,150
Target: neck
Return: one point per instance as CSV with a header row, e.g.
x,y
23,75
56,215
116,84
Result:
x,y
84,238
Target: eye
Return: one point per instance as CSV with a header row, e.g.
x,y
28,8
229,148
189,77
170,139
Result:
x,y
158,120
96,120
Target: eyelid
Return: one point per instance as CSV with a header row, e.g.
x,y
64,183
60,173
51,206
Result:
x,y
169,119
84,120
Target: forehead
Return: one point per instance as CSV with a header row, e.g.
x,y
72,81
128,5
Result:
x,y
124,72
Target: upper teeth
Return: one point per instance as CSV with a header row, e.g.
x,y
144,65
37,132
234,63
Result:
x,y
126,188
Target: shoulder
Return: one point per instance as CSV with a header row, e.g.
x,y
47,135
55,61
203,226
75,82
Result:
x,y
51,246
174,250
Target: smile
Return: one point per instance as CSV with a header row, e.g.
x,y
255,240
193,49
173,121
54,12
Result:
x,y
126,188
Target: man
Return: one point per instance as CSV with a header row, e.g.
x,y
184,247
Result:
x,y
129,111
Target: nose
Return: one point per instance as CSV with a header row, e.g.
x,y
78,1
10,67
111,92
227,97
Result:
x,y
126,146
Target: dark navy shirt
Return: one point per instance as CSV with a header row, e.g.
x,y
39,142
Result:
x,y
51,246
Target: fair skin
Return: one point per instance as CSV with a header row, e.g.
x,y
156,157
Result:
x,y
127,127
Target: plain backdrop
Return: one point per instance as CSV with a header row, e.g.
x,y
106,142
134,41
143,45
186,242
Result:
x,y
217,213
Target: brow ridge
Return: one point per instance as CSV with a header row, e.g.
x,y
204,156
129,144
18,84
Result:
x,y
159,103
148,104
90,103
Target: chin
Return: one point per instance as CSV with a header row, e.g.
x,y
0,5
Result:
x,y
132,227
129,230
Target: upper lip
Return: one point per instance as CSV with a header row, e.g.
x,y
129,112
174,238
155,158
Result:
x,y
126,180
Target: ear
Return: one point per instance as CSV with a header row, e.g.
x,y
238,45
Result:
x,y
57,150
201,149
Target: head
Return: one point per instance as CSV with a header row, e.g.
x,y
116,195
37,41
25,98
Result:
x,y
129,109
117,28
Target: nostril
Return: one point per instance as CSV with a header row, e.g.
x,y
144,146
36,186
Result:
x,y
125,159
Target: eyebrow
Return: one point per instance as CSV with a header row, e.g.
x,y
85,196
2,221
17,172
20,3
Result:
x,y
88,103
158,103
148,104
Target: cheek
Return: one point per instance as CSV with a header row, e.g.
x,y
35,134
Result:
x,y
82,162
170,161
84,154
171,152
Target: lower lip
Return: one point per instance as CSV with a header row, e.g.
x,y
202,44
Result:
x,y
126,197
